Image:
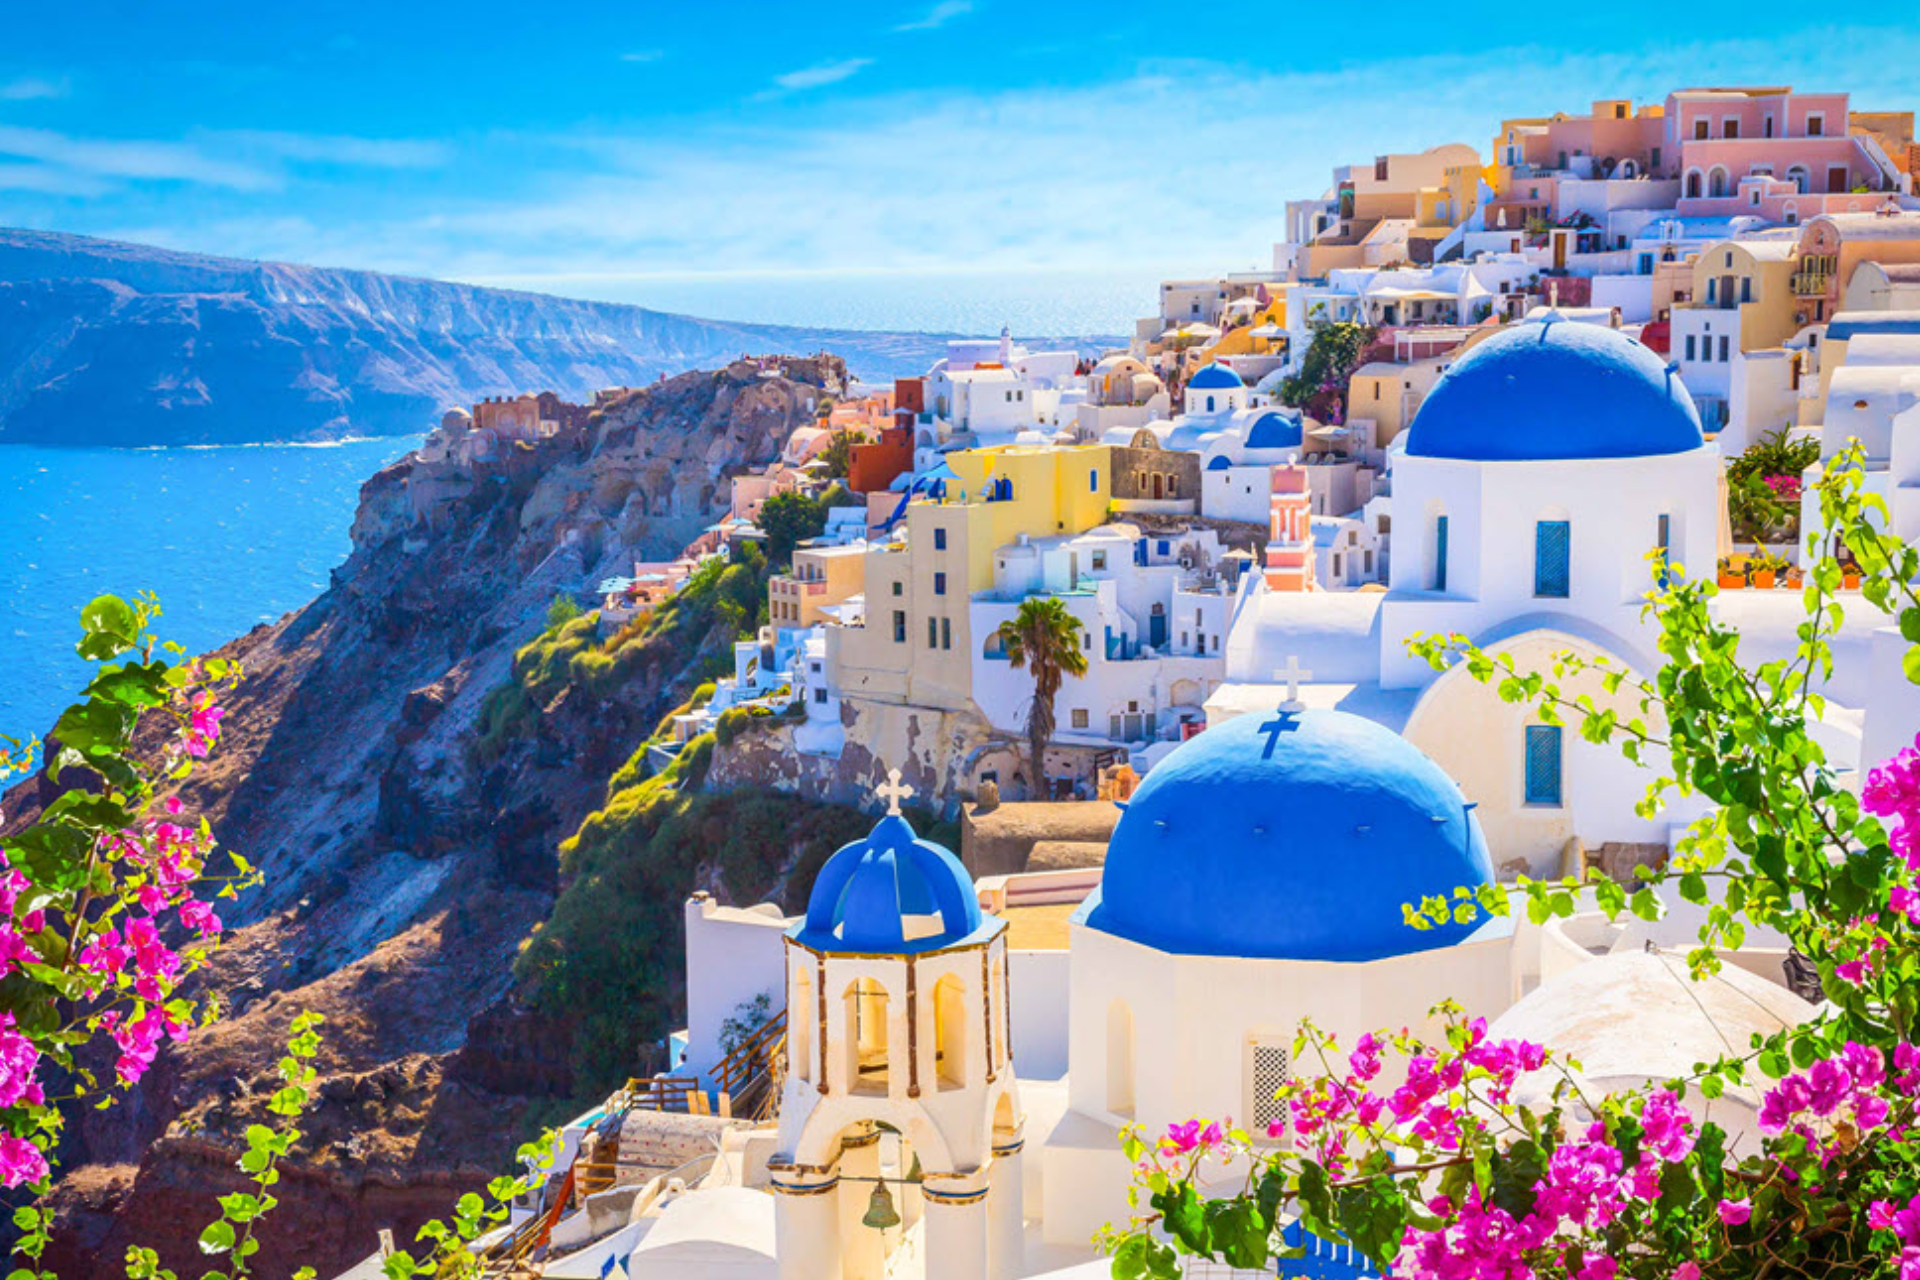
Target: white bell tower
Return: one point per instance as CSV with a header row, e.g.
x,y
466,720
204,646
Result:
x,y
900,1122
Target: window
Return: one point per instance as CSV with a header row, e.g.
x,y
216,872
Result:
x,y
1164,546
1746,288
1440,554
1079,717
1816,124
897,588
1713,289
1665,543
1543,764
1552,543
1269,1066
1731,129
820,695
1690,348
1700,129
933,633
1653,160
946,633
1099,560
939,539
1723,348
1093,480
899,626
939,584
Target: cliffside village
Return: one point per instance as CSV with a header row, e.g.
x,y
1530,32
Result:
x,y
1565,343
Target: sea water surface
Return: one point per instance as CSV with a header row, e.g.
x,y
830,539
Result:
x,y
227,537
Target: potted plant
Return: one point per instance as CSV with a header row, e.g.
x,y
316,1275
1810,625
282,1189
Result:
x,y
1850,574
1765,567
1733,573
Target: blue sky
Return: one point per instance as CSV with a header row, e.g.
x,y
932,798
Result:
x,y
588,148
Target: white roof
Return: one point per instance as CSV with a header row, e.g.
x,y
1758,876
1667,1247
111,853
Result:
x,y
707,1235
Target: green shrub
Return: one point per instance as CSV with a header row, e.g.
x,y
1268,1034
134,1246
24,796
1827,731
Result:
x,y
563,610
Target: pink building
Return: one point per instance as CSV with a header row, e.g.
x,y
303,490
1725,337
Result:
x,y
1289,564
1774,154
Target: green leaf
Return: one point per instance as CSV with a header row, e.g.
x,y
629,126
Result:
x,y
109,626
217,1238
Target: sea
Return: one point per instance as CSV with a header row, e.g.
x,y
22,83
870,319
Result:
x,y
225,537
231,536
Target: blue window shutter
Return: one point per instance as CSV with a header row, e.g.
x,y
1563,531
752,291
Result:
x,y
1552,543
1440,555
1543,764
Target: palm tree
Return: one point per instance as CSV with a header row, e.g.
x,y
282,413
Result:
x,y
1045,639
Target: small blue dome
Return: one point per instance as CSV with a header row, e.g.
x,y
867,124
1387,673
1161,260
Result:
x,y
1290,836
1274,431
1550,390
1219,462
890,894
1216,377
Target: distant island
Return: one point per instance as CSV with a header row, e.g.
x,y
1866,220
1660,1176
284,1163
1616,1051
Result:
x,y
110,343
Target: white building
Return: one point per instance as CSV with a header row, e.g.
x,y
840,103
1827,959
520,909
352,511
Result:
x,y
1153,617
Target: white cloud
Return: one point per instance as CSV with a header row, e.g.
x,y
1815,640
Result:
x,y
824,73
29,88
939,16
132,159
49,181
320,148
643,55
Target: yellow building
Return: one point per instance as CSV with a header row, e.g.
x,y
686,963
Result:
x,y
1754,279
916,646
1387,395
821,578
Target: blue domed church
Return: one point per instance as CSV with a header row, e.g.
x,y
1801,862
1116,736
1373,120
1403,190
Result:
x,y
1259,877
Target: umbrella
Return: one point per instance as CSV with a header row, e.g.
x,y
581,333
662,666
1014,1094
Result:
x,y
1243,304
1199,331
1268,331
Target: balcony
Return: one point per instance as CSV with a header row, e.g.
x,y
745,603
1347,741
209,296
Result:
x,y
1811,284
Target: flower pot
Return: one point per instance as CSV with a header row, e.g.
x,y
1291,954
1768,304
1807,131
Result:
x,y
1763,579
1791,580
1850,580
1731,581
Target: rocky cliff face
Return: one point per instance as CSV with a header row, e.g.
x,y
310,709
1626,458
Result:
x,y
122,344
403,874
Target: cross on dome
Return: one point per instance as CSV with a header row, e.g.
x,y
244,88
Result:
x,y
1291,674
894,792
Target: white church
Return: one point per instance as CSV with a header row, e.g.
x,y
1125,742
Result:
x,y
958,1060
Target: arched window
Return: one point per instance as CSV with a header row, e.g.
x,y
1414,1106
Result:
x,y
1800,178
1120,1058
800,1015
1209,404
866,1036
1716,183
950,1032
1552,555
1693,184
1173,486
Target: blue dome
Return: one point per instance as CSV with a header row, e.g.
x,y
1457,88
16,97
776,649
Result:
x,y
1550,390
1274,431
1290,836
890,894
1219,462
1216,377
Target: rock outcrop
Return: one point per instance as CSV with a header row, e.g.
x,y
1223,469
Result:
x,y
404,870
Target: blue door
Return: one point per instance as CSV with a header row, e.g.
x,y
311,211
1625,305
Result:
x,y
1543,764
1157,628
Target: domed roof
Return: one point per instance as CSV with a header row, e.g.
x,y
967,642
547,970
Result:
x,y
1216,377
1290,836
890,894
1550,389
1273,430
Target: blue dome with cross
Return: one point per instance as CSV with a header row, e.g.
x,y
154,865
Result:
x,y
1216,377
1551,389
891,894
1297,835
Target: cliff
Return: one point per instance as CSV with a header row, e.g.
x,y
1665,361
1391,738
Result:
x,y
106,343
406,868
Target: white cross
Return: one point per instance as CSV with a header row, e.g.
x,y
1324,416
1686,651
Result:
x,y
894,792
1292,674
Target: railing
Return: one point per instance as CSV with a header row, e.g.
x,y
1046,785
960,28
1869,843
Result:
x,y
744,1076
1810,284
657,1093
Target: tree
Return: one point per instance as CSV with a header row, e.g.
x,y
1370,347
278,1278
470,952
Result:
x,y
838,455
788,519
1043,638
1320,388
1446,1175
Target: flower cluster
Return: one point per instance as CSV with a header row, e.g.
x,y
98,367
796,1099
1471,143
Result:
x,y
1893,790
